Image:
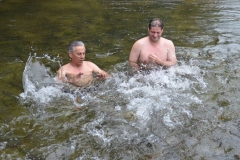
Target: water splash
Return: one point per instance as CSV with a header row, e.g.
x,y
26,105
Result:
x,y
125,110
39,84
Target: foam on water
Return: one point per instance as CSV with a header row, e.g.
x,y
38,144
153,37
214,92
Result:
x,y
39,84
156,87
168,91
129,108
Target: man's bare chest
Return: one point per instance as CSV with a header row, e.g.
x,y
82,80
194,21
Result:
x,y
160,52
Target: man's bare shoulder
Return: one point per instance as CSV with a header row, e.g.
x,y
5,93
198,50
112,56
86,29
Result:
x,y
139,44
92,66
66,66
142,41
89,64
167,41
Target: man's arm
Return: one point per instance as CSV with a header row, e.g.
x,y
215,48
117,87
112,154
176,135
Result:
x,y
134,55
100,73
61,75
171,54
171,59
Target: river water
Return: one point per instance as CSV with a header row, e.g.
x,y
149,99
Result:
x,y
189,111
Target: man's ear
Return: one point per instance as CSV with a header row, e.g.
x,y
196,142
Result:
x,y
70,54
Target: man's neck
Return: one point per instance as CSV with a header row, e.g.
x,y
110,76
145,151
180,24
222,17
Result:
x,y
155,43
76,66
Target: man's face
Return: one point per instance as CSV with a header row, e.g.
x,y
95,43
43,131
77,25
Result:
x,y
155,33
78,55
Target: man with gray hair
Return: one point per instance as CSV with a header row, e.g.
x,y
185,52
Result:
x,y
153,49
78,71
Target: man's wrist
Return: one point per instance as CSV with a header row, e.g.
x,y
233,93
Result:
x,y
160,62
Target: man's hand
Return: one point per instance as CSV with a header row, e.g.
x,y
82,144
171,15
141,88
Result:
x,y
155,59
101,76
152,57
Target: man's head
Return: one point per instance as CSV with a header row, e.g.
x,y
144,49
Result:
x,y
73,44
155,29
155,22
76,52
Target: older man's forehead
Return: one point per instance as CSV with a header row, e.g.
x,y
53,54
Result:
x,y
82,48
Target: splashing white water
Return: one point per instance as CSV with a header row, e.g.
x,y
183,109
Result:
x,y
39,84
140,100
